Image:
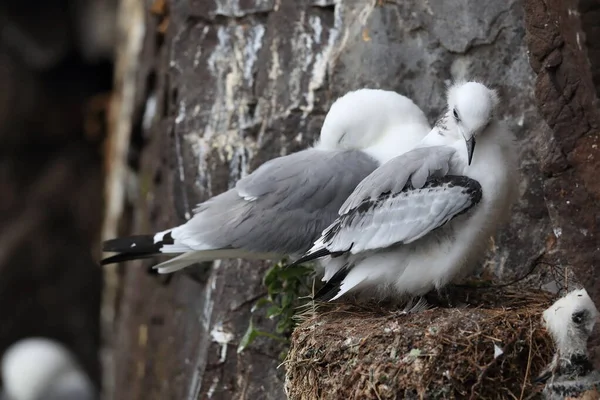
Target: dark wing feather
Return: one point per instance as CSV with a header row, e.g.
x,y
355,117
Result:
x,y
331,288
412,168
400,217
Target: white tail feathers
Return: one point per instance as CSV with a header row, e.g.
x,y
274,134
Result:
x,y
187,259
175,248
350,282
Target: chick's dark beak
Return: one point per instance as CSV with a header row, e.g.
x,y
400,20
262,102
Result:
x,y
470,147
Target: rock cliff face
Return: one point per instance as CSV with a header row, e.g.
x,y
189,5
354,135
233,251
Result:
x,y
239,82
563,53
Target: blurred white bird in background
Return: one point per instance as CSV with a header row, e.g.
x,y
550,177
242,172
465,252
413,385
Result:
x,y
43,369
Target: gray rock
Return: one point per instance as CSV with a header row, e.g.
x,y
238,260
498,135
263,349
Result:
x,y
240,82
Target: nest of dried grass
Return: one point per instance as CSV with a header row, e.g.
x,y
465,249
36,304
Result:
x,y
343,351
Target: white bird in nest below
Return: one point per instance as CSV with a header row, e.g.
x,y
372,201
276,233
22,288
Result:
x,y
425,217
42,369
570,322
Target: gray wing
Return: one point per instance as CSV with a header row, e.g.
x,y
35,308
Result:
x,y
400,217
386,209
284,205
416,165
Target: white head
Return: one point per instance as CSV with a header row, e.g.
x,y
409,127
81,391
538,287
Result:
x,y
570,321
383,121
471,108
32,366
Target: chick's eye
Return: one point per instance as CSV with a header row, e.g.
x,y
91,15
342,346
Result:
x,y
455,114
578,317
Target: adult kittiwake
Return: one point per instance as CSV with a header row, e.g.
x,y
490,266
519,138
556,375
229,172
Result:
x,y
283,206
570,321
427,216
42,369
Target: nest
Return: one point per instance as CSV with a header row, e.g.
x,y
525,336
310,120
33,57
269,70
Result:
x,y
490,349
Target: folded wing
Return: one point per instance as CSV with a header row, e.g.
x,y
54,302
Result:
x,y
277,210
401,217
402,201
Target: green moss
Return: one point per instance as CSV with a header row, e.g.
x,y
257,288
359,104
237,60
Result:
x,y
288,290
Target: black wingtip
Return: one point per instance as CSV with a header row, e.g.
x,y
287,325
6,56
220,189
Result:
x,y
134,248
122,257
330,289
311,256
326,293
132,244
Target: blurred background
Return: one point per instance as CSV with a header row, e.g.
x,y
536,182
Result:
x,y
56,76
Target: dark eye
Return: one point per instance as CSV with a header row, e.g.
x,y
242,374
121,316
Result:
x,y
455,114
578,316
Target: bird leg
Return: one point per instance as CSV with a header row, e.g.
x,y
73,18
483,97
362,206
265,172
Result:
x,y
446,297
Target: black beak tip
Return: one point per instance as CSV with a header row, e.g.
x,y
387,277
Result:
x,y
470,148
